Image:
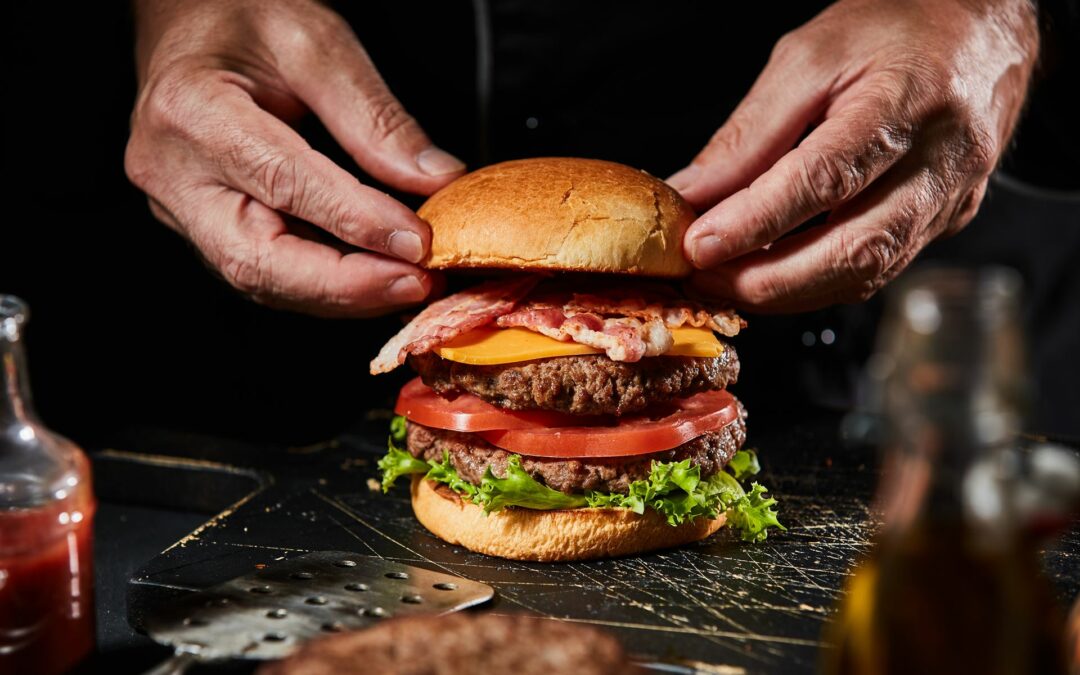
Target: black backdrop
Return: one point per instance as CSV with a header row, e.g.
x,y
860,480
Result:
x,y
129,329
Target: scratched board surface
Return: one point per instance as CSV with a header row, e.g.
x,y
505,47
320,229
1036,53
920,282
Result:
x,y
720,603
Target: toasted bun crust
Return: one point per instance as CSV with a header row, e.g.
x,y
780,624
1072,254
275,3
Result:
x,y
549,536
562,214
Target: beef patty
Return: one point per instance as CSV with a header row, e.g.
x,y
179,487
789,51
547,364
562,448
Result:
x,y
581,385
472,455
461,644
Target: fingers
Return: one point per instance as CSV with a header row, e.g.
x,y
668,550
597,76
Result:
x,y
846,260
257,253
259,155
835,163
335,77
780,105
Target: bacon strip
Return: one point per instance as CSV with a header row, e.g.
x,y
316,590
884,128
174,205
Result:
x,y
674,312
450,317
621,338
628,322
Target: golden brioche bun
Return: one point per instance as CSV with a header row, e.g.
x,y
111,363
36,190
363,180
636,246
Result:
x,y
561,214
549,536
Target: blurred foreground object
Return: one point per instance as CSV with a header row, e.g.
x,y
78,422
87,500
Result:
x,y
46,511
1072,646
954,583
462,643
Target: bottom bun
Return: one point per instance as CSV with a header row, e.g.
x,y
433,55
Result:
x,y
549,536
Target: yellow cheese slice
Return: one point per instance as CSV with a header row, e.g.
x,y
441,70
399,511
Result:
x,y
492,346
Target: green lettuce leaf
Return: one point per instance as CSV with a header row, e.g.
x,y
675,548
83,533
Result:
x,y
518,488
444,472
397,430
744,464
396,463
753,514
673,489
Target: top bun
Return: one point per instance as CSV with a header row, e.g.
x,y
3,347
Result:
x,y
558,213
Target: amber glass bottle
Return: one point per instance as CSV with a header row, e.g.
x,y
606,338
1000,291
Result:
x,y
954,583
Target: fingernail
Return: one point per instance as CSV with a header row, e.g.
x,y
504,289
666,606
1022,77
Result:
x,y
405,289
406,245
436,162
706,251
681,180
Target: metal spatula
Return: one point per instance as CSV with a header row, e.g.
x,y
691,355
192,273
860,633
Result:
x,y
268,614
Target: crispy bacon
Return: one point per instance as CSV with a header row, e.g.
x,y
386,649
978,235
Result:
x,y
622,338
450,317
627,321
649,305
544,320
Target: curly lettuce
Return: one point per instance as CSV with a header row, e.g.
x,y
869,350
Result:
x,y
672,489
521,489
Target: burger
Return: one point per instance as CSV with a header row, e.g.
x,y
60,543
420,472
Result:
x,y
575,406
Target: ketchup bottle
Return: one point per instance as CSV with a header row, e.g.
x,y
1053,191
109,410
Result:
x,y
46,515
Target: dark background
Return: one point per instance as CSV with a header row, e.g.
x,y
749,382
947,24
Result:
x,y
130,330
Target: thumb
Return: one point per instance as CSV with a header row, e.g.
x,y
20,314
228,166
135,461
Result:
x,y
342,87
776,111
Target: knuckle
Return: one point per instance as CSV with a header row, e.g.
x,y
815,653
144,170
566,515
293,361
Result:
x,y
279,182
968,207
136,167
388,118
867,259
978,148
791,47
162,110
245,268
307,36
807,47
166,105
729,138
830,179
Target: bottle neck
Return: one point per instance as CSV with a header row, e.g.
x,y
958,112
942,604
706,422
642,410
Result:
x,y
15,401
953,392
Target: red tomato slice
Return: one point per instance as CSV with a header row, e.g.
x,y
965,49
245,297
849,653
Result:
x,y
548,434
465,412
682,421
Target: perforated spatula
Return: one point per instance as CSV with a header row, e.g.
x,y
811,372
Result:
x,y
267,614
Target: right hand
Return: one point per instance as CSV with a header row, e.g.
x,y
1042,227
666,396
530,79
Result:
x,y
219,84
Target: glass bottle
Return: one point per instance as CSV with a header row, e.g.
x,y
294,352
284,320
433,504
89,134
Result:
x,y
953,584
46,515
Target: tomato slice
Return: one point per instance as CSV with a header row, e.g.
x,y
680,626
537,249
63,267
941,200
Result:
x,y
550,434
465,412
684,420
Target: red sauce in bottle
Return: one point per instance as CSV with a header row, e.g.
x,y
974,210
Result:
x,y
46,584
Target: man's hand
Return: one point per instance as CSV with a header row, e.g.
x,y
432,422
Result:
x,y
910,105
220,82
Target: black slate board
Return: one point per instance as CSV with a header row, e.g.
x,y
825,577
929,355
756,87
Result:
x,y
756,607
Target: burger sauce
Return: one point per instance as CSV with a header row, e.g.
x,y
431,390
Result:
x,y
46,515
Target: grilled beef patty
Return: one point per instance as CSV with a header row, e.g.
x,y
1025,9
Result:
x,y
472,455
461,644
581,385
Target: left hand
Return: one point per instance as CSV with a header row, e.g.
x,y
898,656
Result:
x,y
910,104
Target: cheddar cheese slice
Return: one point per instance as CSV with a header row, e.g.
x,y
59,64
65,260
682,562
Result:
x,y
493,346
